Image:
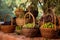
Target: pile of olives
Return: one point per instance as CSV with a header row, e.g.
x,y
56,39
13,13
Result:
x,y
29,25
18,27
48,25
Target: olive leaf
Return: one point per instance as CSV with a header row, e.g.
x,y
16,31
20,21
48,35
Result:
x,y
49,3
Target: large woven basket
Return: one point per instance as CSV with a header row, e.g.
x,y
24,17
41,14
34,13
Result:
x,y
49,32
19,12
7,28
29,32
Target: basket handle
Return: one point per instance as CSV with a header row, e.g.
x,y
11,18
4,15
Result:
x,y
47,15
10,18
32,17
53,18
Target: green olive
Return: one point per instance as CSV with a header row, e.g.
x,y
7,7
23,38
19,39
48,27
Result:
x,y
48,25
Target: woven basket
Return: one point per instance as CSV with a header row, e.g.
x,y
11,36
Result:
x,y
7,28
49,32
29,32
19,20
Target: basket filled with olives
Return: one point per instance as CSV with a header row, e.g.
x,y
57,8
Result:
x,y
49,29
29,29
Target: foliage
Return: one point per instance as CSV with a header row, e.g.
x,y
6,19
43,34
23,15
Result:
x,y
34,2
49,4
57,11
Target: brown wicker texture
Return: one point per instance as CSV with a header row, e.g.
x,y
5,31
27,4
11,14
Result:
x,y
49,32
29,32
19,12
58,21
7,28
19,21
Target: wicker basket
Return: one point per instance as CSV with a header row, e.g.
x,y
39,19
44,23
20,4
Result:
x,y
29,32
49,32
20,23
7,28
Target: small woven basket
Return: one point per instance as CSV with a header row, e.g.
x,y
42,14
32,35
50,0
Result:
x,y
29,32
7,28
49,32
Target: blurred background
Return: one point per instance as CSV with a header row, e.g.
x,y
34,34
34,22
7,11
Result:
x,y
8,6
